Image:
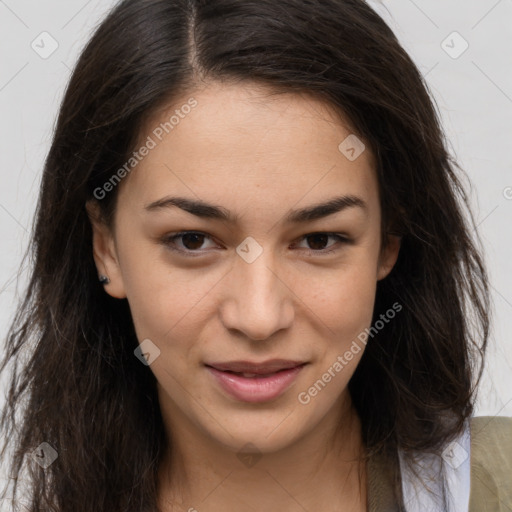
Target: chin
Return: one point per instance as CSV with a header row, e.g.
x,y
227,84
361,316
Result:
x,y
267,432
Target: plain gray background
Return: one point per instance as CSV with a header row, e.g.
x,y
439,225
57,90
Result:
x,y
472,86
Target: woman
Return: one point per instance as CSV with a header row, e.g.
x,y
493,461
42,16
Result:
x,y
254,287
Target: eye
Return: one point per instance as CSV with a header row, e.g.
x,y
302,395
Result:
x,y
187,242
318,242
190,243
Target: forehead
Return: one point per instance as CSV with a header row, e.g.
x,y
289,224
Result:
x,y
240,143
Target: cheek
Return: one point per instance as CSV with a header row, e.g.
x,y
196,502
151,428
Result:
x,y
344,307
164,301
342,300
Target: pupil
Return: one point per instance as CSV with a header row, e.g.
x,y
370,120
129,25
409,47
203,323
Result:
x,y
324,240
194,237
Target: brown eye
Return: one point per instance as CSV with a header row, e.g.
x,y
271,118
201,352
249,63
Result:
x,y
317,241
192,243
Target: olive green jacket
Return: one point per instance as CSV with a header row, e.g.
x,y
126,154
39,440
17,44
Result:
x,y
491,470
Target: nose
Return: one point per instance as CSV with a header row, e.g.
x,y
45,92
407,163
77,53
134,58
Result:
x,y
258,302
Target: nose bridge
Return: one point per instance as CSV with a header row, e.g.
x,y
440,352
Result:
x,y
260,303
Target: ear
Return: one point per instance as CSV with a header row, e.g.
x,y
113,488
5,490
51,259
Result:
x,y
388,255
104,252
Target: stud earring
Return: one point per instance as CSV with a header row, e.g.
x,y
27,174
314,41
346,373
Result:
x,y
104,279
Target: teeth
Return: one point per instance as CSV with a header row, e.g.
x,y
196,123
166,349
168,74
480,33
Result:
x,y
252,375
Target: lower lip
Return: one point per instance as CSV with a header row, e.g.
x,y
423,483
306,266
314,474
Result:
x,y
256,389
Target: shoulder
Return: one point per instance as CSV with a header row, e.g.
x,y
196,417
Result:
x,y
491,463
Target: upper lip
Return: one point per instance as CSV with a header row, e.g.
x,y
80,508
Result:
x,y
263,367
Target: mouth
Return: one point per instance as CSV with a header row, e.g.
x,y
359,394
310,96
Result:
x,y
255,382
256,368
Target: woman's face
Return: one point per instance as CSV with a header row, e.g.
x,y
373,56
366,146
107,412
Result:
x,y
253,284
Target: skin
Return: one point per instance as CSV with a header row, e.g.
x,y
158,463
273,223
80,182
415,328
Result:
x,y
259,157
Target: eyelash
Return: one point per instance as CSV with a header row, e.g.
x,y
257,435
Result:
x,y
169,242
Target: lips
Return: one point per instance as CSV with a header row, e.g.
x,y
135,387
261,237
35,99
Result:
x,y
255,382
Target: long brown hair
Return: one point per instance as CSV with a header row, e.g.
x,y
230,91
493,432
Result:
x,y
82,390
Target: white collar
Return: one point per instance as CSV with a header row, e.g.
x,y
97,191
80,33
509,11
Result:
x,y
455,462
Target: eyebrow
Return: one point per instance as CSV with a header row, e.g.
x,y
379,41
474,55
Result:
x,y
308,214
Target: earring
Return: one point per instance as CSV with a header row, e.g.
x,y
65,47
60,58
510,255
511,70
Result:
x,y
104,279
